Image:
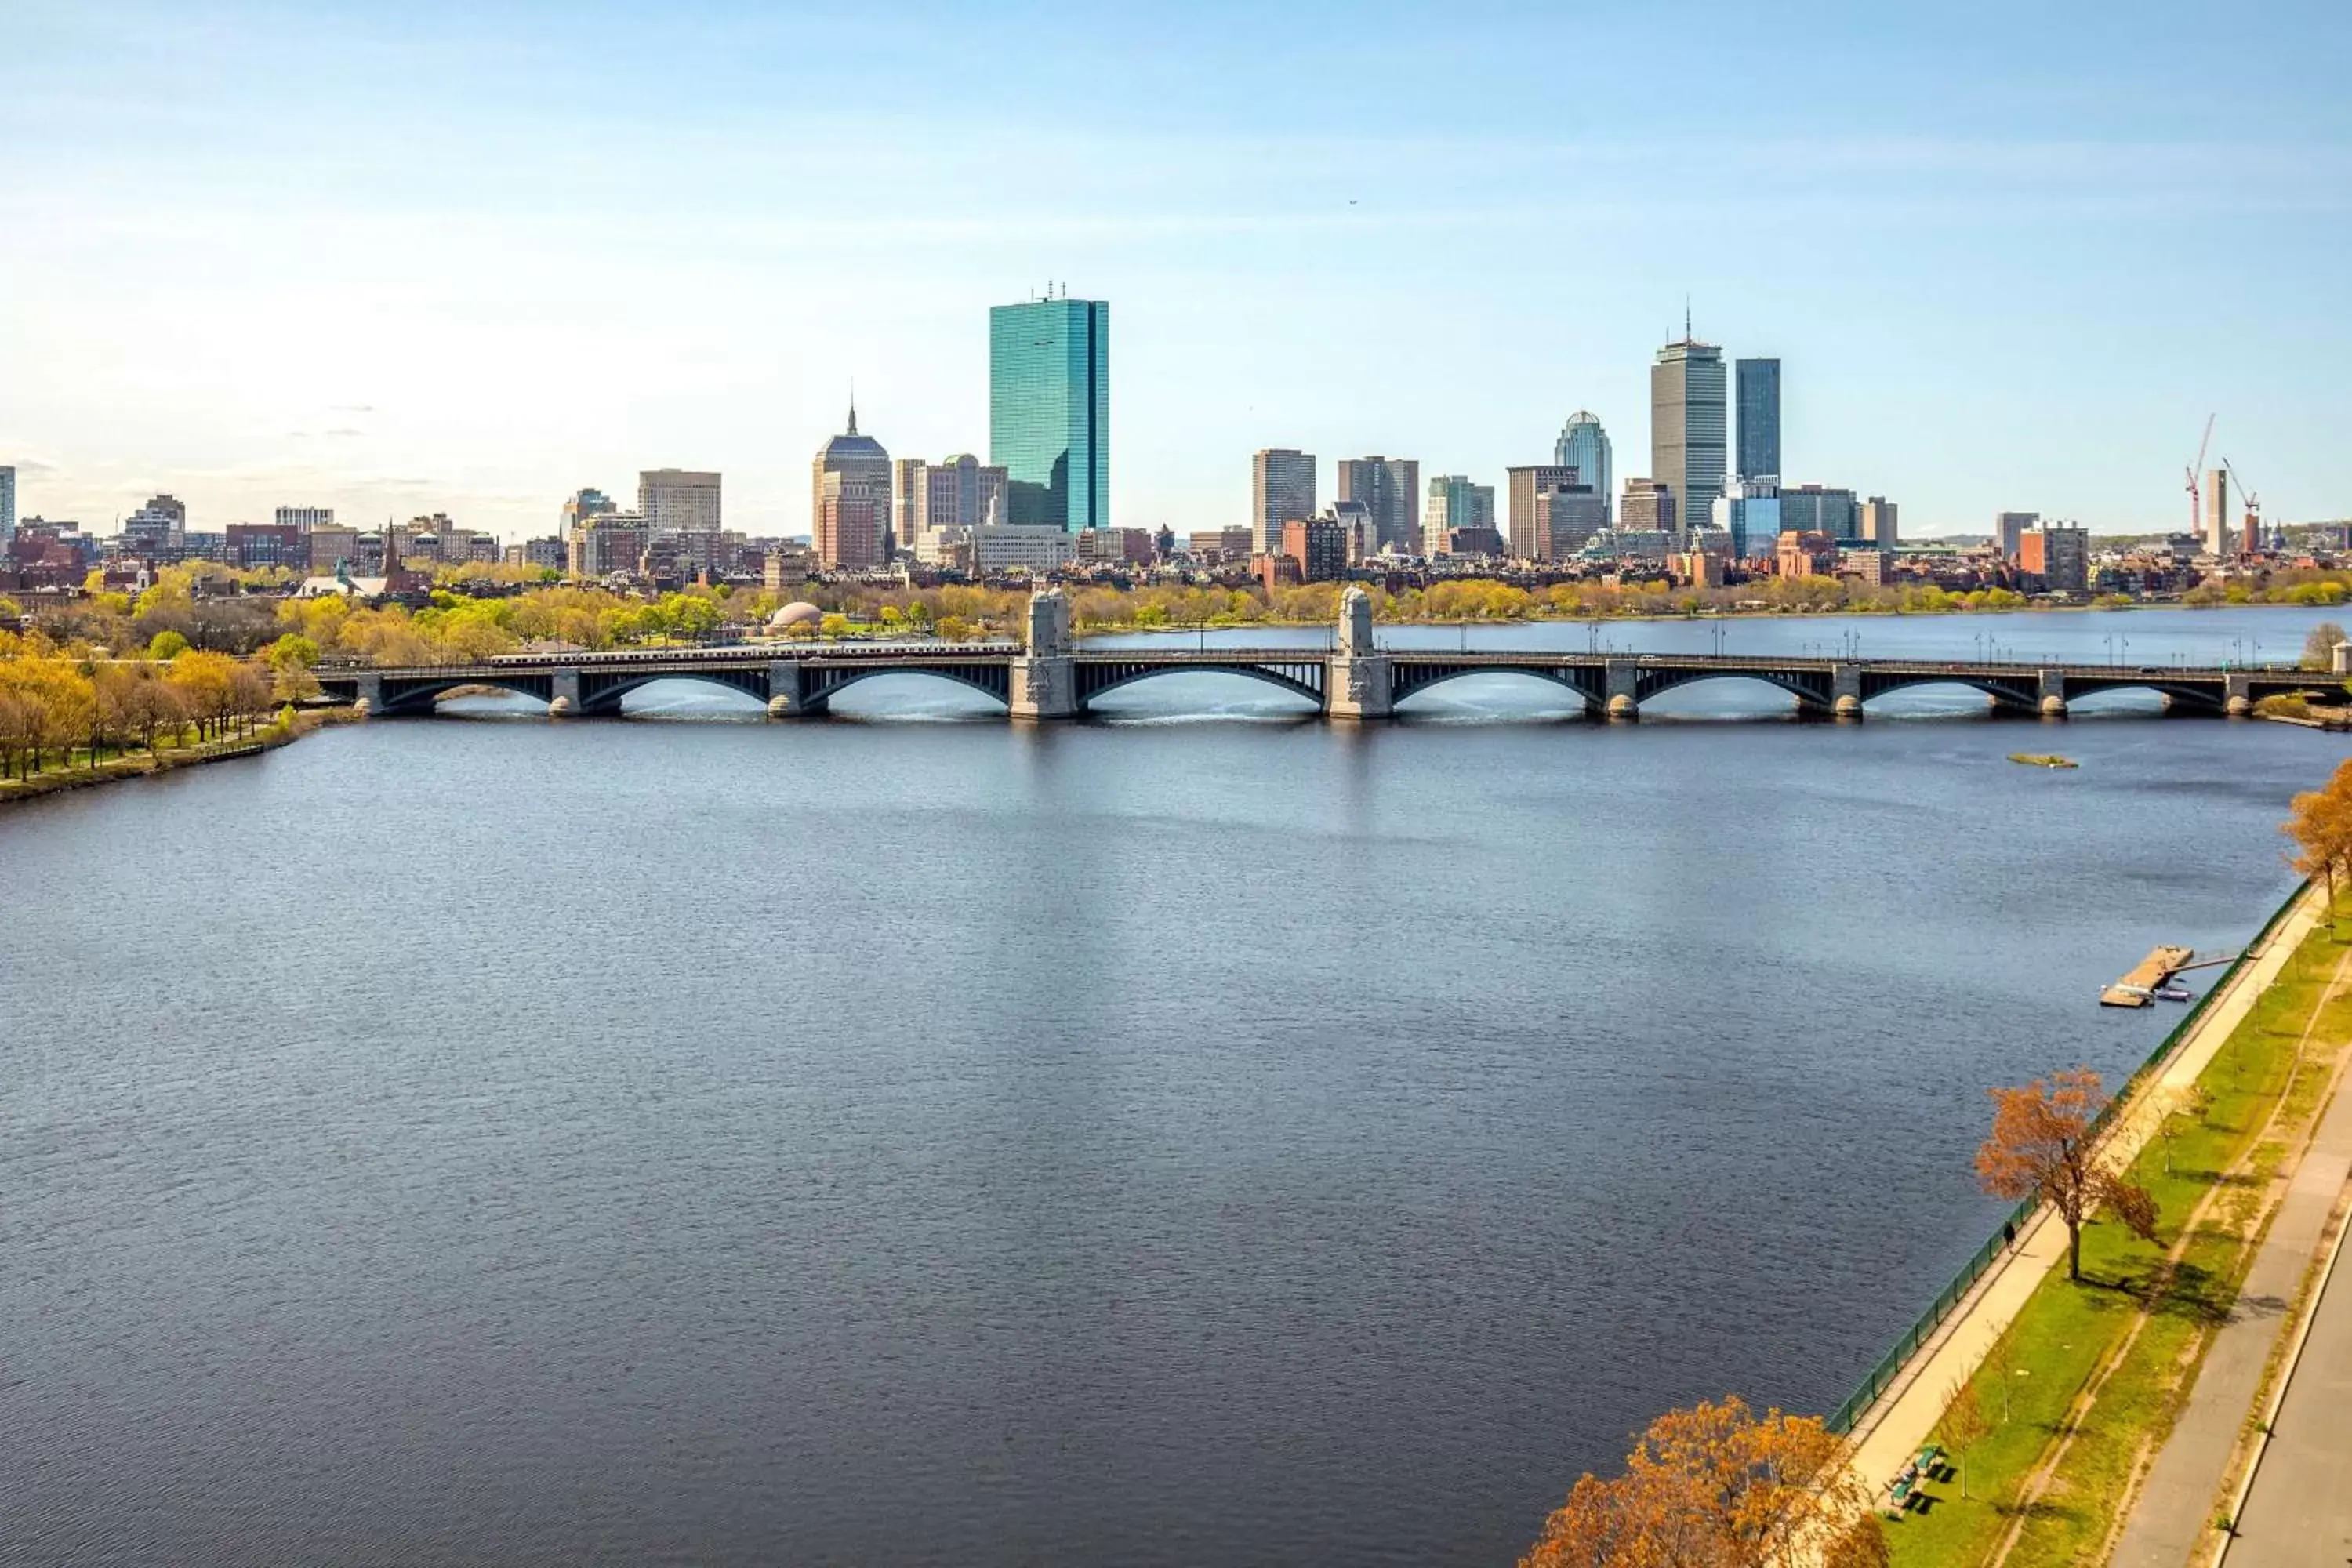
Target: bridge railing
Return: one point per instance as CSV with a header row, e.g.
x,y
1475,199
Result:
x,y
1890,1367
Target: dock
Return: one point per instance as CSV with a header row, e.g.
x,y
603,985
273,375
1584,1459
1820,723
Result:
x,y
2138,989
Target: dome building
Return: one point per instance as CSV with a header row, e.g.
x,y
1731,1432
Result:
x,y
849,502
799,612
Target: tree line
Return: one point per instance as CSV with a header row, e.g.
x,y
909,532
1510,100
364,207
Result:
x,y
55,703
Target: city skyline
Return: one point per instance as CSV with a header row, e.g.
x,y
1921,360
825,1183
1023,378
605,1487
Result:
x,y
246,317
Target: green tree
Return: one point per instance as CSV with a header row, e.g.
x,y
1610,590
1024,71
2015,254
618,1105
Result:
x,y
165,647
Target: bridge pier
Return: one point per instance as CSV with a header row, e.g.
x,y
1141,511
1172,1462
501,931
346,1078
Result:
x,y
2238,695
565,700
1621,680
787,689
1845,692
1044,682
2052,684
1359,681
371,693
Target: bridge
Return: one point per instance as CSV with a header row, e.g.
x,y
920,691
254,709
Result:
x,y
1048,675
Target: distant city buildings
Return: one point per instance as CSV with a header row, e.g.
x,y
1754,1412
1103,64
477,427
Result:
x,y
583,505
1567,520
2217,512
1818,509
1648,506
1760,419
1456,506
2058,555
8,504
1583,446
303,519
1876,522
606,543
254,544
2009,531
157,530
1316,548
1282,487
1688,424
1389,490
1527,539
849,502
679,500
941,504
1749,511
1049,410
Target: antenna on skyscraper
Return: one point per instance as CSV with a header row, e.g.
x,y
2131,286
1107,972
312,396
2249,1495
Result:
x,y
1686,337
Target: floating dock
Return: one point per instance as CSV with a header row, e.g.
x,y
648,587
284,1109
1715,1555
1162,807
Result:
x,y
2138,989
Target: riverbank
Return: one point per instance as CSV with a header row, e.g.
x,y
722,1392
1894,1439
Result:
x,y
2080,1383
146,765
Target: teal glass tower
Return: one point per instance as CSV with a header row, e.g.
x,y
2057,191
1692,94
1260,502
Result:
x,y
1049,410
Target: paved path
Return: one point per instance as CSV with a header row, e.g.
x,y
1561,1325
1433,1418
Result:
x,y
1902,1421
2172,1520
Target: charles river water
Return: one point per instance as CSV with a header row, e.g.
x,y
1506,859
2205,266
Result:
x,y
1193,1136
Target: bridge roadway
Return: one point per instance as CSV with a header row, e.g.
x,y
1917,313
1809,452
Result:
x,y
801,680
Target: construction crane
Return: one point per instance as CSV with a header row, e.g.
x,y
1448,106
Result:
x,y
2196,506
2254,536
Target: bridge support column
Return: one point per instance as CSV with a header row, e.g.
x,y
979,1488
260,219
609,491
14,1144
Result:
x,y
371,693
787,689
564,702
2237,696
1845,692
1045,680
2052,684
1624,687
1359,682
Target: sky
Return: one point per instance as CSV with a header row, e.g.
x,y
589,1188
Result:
x,y
430,257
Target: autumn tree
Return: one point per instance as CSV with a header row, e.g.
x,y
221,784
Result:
x,y
2321,827
2319,645
1965,1424
2043,1146
1715,1486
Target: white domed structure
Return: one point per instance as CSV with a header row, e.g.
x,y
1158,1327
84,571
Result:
x,y
799,612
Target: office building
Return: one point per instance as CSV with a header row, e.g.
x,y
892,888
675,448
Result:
x,y
1049,410
679,500
1688,425
1815,508
2009,531
1389,488
8,504
960,492
303,519
2058,555
332,547
1804,552
1525,483
1281,490
1035,548
852,535
1876,522
583,505
1647,507
1318,547
1219,544
550,554
1758,395
1583,446
156,530
1355,521
2216,512
252,544
607,543
1455,505
1566,520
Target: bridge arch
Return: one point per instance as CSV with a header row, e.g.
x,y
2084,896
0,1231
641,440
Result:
x,y
1304,680
602,693
424,696
823,685
1811,691
2009,694
1585,683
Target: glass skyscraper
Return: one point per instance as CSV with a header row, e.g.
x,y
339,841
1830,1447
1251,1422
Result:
x,y
1049,410
1583,446
1687,426
1759,418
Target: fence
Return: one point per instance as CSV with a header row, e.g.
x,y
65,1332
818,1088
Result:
x,y
1880,1376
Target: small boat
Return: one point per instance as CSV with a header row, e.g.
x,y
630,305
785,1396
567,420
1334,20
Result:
x,y
2173,993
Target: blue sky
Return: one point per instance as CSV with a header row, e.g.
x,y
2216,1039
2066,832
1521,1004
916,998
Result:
x,y
424,257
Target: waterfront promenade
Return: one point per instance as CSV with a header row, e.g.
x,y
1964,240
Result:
x,y
1905,1419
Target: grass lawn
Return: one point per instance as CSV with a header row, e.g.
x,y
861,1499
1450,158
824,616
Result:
x,y
2066,1330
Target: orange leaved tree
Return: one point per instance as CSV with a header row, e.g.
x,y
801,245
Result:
x,y
2321,829
1715,1484
2042,1147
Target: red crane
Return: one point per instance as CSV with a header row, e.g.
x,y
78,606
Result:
x,y
2196,519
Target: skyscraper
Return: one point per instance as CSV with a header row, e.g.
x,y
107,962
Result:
x,y
1389,488
679,500
1455,505
1282,487
1583,446
2216,512
1760,419
1687,426
583,505
849,501
1049,410
8,504
1530,535
2009,531
1876,521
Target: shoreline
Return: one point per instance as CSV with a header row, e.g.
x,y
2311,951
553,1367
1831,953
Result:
x,y
149,764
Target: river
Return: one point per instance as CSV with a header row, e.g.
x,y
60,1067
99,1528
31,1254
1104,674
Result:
x,y
1201,1136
